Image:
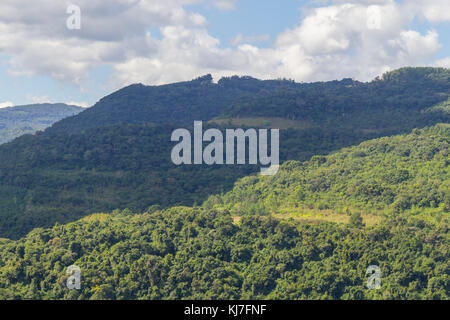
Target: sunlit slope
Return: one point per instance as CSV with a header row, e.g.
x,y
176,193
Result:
x,y
386,175
186,253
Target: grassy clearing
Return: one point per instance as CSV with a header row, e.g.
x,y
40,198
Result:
x,y
263,122
315,216
100,217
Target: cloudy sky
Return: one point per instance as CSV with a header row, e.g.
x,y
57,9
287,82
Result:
x,y
45,57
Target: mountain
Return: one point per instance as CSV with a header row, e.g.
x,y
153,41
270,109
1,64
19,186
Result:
x,y
180,103
116,154
229,252
20,120
394,103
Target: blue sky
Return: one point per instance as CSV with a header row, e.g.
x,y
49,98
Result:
x,y
252,17
155,42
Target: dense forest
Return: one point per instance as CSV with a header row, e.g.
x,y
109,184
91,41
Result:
x,y
406,173
233,248
364,180
116,154
20,120
179,103
376,105
194,253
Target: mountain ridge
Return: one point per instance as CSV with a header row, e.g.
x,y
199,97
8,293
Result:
x,y
27,119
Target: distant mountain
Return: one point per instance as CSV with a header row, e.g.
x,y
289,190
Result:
x,y
116,154
19,120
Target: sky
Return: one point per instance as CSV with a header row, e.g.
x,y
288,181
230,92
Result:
x,y
78,51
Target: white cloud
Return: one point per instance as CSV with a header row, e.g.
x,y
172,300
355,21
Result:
x,y
336,41
112,31
225,4
38,99
443,63
6,104
415,47
332,41
433,10
79,104
241,39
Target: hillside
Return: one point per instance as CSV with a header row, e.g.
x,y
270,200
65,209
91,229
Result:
x,y
116,154
398,102
390,175
392,104
194,253
238,246
20,120
180,103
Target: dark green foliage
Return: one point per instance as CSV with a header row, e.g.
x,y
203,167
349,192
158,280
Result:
x,y
356,220
186,253
391,105
62,178
117,153
93,163
180,103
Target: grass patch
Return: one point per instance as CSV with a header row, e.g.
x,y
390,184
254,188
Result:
x,y
263,122
316,216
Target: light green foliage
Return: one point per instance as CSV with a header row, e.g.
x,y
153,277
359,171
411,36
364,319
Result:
x,y
186,253
405,173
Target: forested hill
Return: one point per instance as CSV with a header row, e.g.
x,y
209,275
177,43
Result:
x,y
116,154
254,242
386,176
180,103
397,102
186,253
394,102
19,120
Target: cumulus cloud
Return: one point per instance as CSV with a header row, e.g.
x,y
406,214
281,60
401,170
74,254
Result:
x,y
357,38
433,10
443,63
38,41
338,41
6,104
